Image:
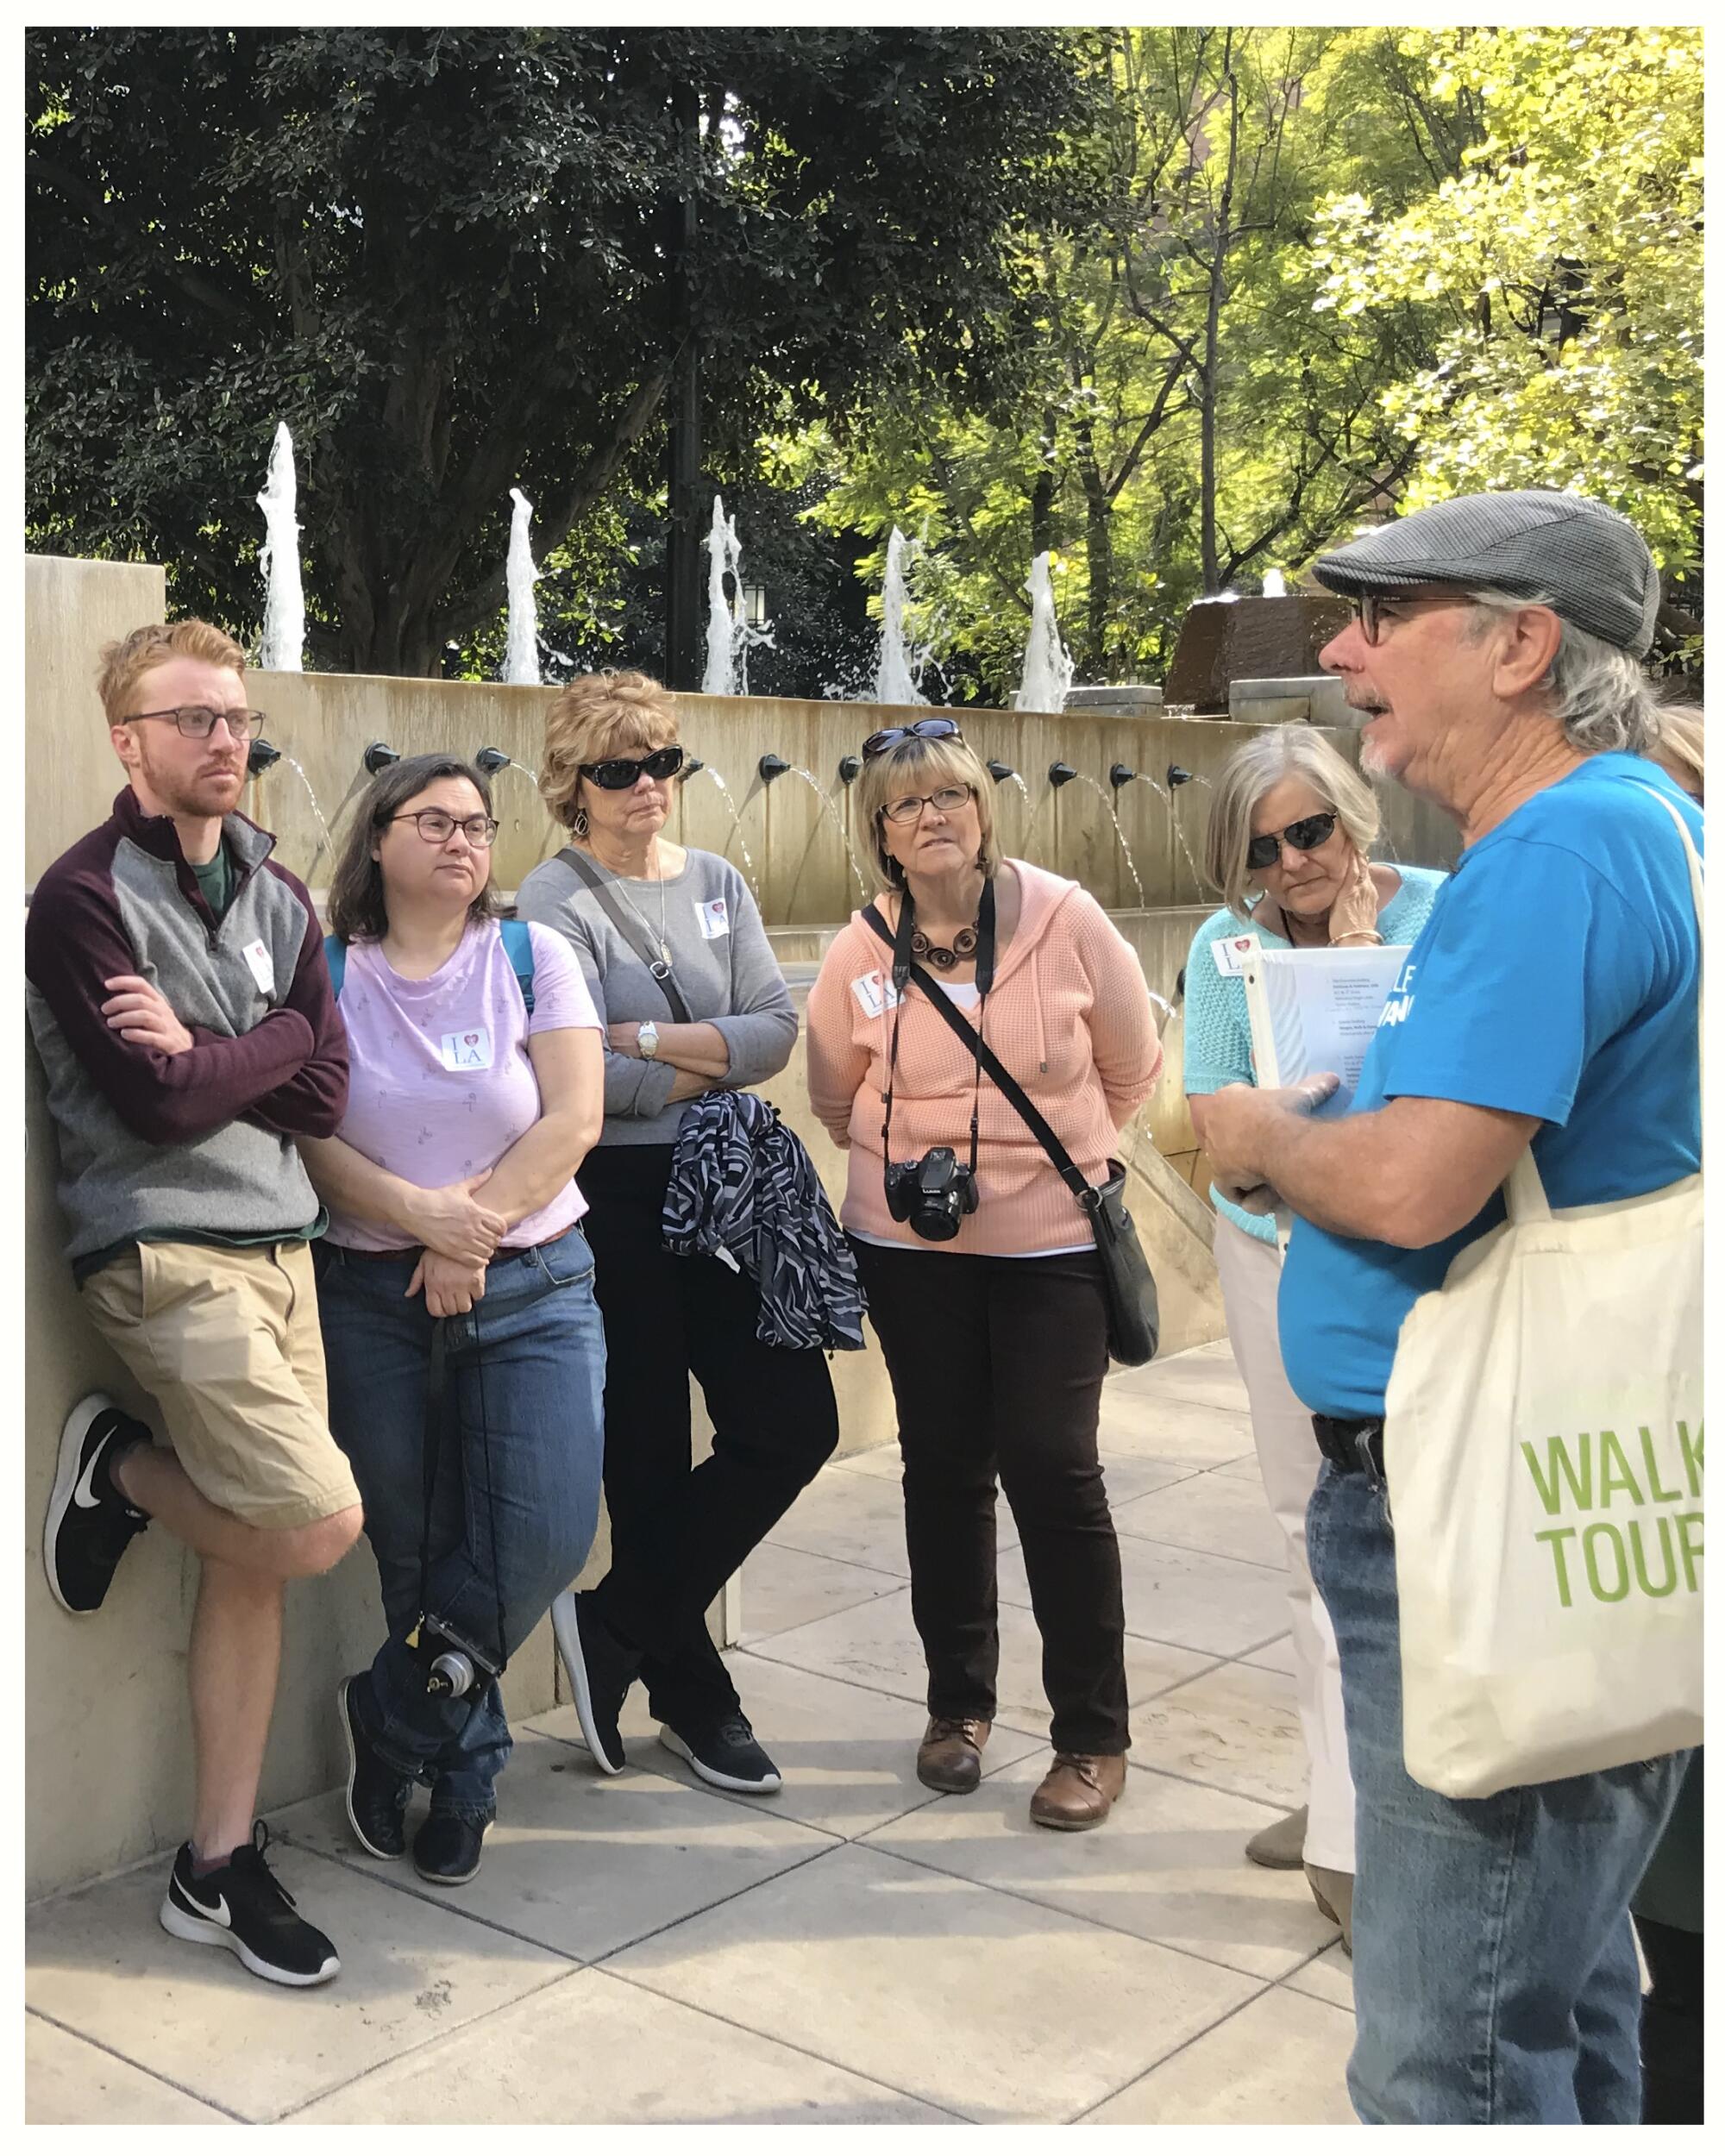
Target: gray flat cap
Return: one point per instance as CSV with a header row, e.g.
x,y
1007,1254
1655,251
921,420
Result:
x,y
1589,565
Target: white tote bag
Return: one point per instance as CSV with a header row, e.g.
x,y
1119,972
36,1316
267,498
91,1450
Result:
x,y
1543,1450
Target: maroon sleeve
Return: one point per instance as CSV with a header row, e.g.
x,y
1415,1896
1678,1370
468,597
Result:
x,y
312,1102
74,942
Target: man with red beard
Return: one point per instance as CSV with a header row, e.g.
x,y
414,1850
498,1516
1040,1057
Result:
x,y
179,1000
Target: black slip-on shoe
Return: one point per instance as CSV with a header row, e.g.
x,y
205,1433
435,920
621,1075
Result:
x,y
377,1795
601,1669
726,1755
243,1907
447,1849
89,1526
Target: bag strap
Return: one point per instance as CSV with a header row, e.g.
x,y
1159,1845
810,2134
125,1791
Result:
x,y
1067,1168
517,943
335,958
1524,1192
632,933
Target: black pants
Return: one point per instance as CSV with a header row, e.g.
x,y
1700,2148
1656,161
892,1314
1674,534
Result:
x,y
678,1533
997,1366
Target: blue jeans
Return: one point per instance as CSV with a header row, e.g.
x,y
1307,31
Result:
x,y
1494,1966
516,1500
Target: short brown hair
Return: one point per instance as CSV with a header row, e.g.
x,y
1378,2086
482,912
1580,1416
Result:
x,y
125,663
356,908
919,760
596,716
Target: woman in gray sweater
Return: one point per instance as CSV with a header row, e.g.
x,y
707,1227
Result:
x,y
692,998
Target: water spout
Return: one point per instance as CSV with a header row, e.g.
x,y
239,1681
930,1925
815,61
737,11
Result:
x,y
849,766
379,755
895,675
1121,775
998,771
260,756
1275,584
691,765
491,762
730,633
1048,666
1177,775
521,647
283,649
771,767
1060,773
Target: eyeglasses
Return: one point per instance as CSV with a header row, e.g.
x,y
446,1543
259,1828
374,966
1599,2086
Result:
x,y
1305,837
198,722
918,729
616,773
436,826
947,799
1369,609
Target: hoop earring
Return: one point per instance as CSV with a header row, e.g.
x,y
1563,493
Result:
x,y
579,824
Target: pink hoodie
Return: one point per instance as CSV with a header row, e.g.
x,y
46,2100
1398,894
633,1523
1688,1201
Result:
x,y
1070,1016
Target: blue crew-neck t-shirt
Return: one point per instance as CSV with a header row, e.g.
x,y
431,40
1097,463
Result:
x,y
1557,977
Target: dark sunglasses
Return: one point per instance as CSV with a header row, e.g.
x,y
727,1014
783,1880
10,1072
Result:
x,y
1305,837
918,729
617,771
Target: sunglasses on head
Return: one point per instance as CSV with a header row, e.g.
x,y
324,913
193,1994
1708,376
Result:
x,y
918,729
615,772
1305,836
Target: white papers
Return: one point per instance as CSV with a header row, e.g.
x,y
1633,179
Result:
x,y
1317,1010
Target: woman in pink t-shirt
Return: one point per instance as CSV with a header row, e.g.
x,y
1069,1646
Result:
x,y
466,1354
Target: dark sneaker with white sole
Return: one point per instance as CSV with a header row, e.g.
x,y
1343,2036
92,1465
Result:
x,y
243,1907
601,1669
377,1795
89,1526
726,1755
447,1849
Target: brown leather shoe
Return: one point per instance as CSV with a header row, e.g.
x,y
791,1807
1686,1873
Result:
x,y
1079,1790
949,1757
1333,1892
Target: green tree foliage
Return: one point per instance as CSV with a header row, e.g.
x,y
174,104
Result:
x,y
442,256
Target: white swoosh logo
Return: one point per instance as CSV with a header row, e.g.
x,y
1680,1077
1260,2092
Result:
x,y
219,1915
84,1492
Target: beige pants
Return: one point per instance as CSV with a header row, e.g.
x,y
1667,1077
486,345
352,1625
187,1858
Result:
x,y
1251,1272
227,1341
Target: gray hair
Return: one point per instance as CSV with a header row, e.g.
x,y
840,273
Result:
x,y
1293,751
1601,693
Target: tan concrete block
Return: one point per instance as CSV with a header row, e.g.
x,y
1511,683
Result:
x,y
1204,1380
1235,1727
70,2082
1168,1427
858,1519
1280,2061
1221,1513
1214,1606
784,1587
939,1987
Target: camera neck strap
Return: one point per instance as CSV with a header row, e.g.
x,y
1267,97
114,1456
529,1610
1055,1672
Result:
x,y
905,970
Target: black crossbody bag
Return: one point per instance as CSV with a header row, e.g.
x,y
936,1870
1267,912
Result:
x,y
1127,1285
638,938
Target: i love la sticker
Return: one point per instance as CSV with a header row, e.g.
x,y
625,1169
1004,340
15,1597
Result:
x,y
1232,951
468,1050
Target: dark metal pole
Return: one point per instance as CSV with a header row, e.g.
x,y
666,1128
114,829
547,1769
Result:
x,y
682,537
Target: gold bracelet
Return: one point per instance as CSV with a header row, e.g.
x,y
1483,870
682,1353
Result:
x,y
1347,933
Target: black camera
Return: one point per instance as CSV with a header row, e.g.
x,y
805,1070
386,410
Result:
x,y
933,1193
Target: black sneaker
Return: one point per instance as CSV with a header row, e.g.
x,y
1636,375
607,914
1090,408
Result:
x,y
447,1849
601,1669
726,1755
377,1795
90,1524
245,1908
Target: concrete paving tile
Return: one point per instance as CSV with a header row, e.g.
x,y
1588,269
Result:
x,y
1222,1350
583,1863
1130,1475
882,1461
783,1588
876,1646
1172,1429
1169,1865
599,2051
859,1519
1329,1978
1233,1728
1280,2061
70,2082
1244,1470
1214,1606
1217,1513
99,1964
1278,1655
1207,1380
939,1987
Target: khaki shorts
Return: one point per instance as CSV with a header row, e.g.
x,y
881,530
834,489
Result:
x,y
226,1342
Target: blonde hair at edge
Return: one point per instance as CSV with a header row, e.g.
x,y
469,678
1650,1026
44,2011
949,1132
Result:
x,y
597,715
920,765
1681,749
1283,752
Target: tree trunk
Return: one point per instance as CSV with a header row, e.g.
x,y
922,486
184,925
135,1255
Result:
x,y
1099,542
1209,374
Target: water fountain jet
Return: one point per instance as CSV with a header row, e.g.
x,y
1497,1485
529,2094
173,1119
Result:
x,y
1048,666
895,681
521,645
283,648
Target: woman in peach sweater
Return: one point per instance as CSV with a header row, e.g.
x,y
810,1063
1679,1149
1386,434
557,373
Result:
x,y
985,1288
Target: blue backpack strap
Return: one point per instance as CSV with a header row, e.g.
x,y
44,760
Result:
x,y
517,942
335,956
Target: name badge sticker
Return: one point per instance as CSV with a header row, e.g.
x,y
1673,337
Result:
x,y
468,1050
875,992
714,917
256,956
1232,953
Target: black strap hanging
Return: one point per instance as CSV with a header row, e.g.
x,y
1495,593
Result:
x,y
905,970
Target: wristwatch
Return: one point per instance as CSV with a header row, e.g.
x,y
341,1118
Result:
x,y
648,1040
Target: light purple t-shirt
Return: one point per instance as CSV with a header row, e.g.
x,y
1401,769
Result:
x,y
440,1085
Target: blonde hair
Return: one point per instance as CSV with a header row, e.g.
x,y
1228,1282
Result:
x,y
124,663
1293,751
1680,748
926,764
597,715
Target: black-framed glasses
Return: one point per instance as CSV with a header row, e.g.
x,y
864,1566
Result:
x,y
197,721
1305,834
615,772
436,826
1369,607
918,729
947,799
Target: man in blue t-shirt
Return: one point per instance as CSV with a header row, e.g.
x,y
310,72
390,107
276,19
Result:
x,y
1551,998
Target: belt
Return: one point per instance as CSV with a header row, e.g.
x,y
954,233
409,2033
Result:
x,y
416,1250
1357,1448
